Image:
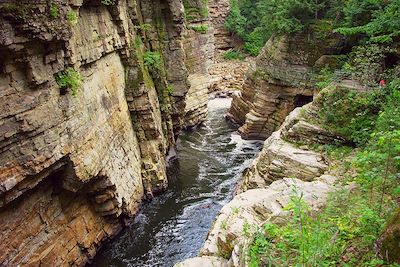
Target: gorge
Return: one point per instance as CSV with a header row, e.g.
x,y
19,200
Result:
x,y
114,150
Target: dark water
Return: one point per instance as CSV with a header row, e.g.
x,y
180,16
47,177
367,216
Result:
x,y
174,226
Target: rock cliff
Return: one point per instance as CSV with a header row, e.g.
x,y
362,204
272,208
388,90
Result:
x,y
285,165
93,94
283,79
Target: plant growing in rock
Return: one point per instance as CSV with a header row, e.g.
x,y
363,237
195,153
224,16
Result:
x,y
170,89
347,230
152,60
233,55
199,28
72,17
108,2
144,27
54,11
69,79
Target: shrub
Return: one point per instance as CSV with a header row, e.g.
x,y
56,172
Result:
x,y
195,12
152,60
108,2
199,28
232,55
72,17
69,79
54,11
349,113
169,89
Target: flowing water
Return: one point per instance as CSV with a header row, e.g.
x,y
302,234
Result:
x,y
174,226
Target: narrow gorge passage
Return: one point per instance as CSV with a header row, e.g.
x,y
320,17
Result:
x,y
173,226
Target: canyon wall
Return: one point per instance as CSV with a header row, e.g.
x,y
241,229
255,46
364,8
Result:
x,y
219,12
284,78
284,166
93,94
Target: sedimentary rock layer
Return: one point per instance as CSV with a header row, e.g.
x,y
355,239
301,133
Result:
x,y
93,94
285,166
284,78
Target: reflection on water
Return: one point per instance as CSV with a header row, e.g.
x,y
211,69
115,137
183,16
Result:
x,y
174,226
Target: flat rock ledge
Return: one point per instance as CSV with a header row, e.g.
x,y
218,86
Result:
x,y
240,218
206,261
285,167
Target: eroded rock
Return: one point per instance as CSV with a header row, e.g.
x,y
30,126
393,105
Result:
x,y
239,219
283,79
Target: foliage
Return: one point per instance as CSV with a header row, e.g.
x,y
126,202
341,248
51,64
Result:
x,y
152,60
349,113
378,19
108,2
196,12
72,17
69,78
247,28
199,28
368,63
233,55
236,22
170,89
325,78
54,11
255,21
344,232
143,27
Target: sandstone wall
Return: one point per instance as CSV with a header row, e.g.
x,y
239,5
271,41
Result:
x,y
219,11
74,163
284,165
284,78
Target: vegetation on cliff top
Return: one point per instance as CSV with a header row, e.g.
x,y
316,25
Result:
x,y
347,231
255,21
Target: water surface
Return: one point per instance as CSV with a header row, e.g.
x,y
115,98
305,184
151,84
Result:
x,y
174,225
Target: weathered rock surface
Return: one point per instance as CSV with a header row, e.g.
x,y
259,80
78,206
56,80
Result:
x,y
199,48
228,75
282,156
75,163
219,11
283,79
257,206
285,167
203,262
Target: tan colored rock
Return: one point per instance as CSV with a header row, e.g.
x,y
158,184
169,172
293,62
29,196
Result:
x,y
282,80
219,11
240,218
72,164
203,262
228,75
280,158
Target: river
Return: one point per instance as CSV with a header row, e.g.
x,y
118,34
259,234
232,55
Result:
x,y
174,225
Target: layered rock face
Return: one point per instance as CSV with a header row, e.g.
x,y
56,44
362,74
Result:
x,y
199,48
284,78
286,166
87,117
219,11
